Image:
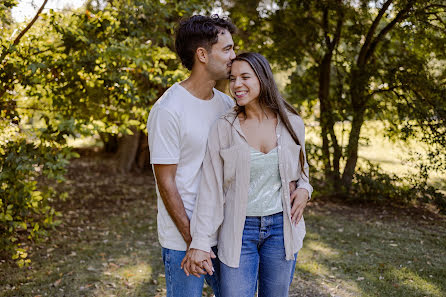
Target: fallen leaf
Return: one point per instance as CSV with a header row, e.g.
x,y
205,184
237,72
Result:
x,y
57,283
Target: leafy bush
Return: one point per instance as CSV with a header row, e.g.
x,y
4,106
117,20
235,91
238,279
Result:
x,y
371,183
25,212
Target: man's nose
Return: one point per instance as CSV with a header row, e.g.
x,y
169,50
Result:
x,y
232,54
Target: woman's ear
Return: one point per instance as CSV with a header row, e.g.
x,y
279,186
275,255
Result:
x,y
202,55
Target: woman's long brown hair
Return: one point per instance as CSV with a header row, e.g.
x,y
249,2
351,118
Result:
x,y
269,96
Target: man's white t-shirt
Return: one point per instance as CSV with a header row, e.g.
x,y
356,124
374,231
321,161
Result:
x,y
178,128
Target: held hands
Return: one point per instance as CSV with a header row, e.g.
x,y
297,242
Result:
x,y
197,262
298,200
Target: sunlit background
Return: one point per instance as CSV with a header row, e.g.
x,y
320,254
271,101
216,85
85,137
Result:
x,y
28,8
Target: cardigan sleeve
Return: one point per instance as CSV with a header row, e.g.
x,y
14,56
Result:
x,y
208,212
304,181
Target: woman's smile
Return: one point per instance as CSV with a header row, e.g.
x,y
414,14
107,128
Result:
x,y
240,94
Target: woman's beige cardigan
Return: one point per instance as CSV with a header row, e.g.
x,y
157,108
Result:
x,y
220,209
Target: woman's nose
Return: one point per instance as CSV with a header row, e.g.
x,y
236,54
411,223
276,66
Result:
x,y
237,82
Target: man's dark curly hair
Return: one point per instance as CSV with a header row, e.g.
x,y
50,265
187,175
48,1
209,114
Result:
x,y
199,31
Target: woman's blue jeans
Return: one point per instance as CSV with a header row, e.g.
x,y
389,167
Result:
x,y
262,259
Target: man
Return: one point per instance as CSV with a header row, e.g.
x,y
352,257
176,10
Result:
x,y
178,126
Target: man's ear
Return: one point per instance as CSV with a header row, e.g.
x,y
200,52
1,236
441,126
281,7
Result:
x,y
202,55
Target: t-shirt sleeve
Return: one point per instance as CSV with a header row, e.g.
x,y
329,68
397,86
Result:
x,y
229,102
164,137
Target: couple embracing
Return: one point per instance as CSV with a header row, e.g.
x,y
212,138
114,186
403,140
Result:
x,y
232,179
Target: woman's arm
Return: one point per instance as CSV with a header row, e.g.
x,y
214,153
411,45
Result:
x,y
302,194
208,212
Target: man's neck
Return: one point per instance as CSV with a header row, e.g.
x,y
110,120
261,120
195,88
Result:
x,y
199,85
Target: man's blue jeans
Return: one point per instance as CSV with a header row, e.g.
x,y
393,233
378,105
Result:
x,y
262,259
178,284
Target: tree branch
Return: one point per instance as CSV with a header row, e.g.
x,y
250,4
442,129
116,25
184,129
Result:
x,y
371,33
325,27
402,14
438,18
17,40
339,24
390,89
435,5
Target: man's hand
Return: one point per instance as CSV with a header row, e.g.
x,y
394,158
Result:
x,y
298,199
197,262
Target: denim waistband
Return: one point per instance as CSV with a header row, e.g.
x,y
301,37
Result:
x,y
279,214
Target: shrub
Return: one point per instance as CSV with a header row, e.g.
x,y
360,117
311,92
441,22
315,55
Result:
x,y
372,184
25,211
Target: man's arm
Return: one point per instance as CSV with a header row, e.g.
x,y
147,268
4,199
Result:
x,y
165,178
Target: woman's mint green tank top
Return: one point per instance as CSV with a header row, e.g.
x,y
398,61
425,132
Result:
x,y
264,194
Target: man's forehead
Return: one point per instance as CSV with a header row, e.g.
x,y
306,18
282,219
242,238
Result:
x,y
222,30
224,36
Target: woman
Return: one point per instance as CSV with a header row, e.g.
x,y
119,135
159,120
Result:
x,y
253,153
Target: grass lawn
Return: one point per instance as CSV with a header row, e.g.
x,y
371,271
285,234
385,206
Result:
x,y
107,245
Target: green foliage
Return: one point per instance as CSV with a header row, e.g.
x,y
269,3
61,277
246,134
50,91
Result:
x,y
5,12
25,212
93,70
356,62
372,184
104,67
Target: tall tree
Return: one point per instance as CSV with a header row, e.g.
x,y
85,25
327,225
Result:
x,y
348,56
105,67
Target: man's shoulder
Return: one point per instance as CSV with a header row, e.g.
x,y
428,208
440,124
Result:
x,y
224,97
170,100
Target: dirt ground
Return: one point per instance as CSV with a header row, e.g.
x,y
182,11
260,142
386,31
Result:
x,y
107,244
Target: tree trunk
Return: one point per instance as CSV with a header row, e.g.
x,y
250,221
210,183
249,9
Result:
x,y
337,154
358,85
110,141
143,156
128,148
324,87
352,149
331,167
359,82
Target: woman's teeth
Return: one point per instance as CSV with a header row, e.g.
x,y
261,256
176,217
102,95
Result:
x,y
241,93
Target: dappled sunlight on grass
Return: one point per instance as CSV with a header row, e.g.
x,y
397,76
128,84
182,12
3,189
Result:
x,y
321,248
132,274
125,279
310,267
107,246
407,278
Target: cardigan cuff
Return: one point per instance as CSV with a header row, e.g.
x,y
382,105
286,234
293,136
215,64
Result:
x,y
200,243
306,186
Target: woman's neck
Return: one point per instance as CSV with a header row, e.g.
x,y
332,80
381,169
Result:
x,y
258,113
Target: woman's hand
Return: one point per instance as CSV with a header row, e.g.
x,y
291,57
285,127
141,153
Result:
x,y
298,199
197,262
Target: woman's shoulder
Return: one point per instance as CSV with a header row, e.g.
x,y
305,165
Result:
x,y
295,120
230,114
223,125
226,119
